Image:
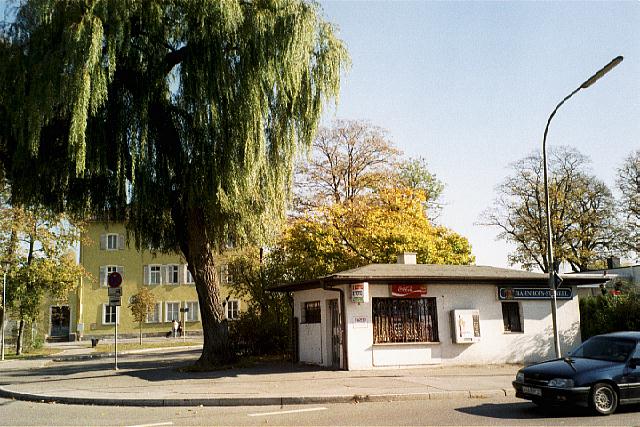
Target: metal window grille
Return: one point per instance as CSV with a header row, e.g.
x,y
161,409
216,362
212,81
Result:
x,y
312,312
511,317
404,320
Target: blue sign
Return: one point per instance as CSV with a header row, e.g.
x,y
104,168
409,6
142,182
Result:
x,y
533,294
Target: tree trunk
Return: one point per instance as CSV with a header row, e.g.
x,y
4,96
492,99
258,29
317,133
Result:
x,y
140,324
199,251
19,340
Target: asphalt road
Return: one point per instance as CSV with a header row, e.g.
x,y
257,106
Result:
x,y
463,412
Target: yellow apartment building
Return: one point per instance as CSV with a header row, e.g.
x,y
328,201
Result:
x,y
88,314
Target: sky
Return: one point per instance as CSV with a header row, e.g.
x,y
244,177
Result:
x,y
469,86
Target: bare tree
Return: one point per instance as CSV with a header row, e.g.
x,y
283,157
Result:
x,y
628,183
582,212
348,159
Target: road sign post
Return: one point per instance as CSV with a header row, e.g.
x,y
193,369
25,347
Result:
x,y
114,280
184,312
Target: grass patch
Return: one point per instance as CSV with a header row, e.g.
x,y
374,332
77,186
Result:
x,y
128,346
39,352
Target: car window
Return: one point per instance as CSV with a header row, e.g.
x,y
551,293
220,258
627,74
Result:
x,y
605,348
636,353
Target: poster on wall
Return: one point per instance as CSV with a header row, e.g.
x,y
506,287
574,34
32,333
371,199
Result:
x,y
409,291
466,326
360,292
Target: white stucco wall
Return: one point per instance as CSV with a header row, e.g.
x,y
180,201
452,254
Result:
x,y
495,346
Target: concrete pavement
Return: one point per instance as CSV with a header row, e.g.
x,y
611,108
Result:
x,y
158,378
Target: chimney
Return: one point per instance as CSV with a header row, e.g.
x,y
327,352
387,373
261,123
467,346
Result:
x,y
613,262
407,258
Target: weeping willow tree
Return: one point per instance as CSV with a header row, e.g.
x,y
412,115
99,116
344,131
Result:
x,y
181,117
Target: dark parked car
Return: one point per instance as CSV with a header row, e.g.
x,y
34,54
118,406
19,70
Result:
x,y
602,373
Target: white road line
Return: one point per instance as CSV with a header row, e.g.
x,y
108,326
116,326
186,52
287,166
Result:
x,y
167,423
288,412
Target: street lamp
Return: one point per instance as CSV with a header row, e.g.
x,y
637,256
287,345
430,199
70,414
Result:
x,y
5,267
552,273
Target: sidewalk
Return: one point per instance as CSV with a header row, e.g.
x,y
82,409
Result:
x,y
154,379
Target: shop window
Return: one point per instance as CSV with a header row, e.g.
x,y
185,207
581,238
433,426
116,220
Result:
x,y
511,316
404,320
311,312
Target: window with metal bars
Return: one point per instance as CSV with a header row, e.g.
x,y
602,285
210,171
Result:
x,y
511,317
404,320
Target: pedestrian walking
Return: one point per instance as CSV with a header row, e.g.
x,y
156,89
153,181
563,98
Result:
x,y
175,328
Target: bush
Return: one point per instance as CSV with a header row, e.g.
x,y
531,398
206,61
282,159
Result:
x,y
609,313
253,334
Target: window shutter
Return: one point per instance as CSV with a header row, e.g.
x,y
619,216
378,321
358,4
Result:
x,y
163,274
182,275
120,241
120,269
146,275
103,242
103,275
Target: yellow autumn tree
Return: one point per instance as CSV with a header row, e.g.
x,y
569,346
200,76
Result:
x,y
371,228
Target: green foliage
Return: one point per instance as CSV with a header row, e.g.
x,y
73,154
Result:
x,y
196,108
609,313
264,327
182,117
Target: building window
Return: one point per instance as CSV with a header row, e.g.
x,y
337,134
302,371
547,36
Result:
x,y
188,277
173,275
233,309
311,312
227,277
511,317
405,320
112,242
108,315
154,315
194,309
172,311
155,274
105,270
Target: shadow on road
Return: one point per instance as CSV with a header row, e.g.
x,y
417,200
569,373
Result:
x,y
529,411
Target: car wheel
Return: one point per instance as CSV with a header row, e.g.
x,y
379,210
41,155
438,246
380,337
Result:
x,y
603,399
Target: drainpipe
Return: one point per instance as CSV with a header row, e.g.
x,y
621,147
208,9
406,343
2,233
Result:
x,y
343,317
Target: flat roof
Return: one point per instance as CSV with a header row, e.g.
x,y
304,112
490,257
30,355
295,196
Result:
x,y
437,274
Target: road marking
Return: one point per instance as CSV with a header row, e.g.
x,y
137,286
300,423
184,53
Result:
x,y
167,423
294,411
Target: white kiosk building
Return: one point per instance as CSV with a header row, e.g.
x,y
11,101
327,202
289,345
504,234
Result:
x,y
408,314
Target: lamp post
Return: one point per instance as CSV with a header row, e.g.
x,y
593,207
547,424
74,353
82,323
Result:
x,y
5,267
551,267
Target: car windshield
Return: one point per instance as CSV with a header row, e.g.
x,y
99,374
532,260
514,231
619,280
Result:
x,y
605,348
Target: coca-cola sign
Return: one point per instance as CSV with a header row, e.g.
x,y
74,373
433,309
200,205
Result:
x,y
409,291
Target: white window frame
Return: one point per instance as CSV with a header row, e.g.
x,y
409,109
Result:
x,y
172,272
188,278
154,274
193,315
111,241
228,308
104,314
156,313
166,311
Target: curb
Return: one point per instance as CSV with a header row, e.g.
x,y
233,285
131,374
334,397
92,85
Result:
x,y
257,401
90,356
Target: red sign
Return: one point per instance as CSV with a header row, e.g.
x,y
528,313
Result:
x,y
409,291
114,279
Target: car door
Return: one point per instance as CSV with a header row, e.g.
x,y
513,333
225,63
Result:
x,y
631,379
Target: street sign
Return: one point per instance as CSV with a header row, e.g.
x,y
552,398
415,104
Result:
x,y
114,279
114,301
184,310
114,292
